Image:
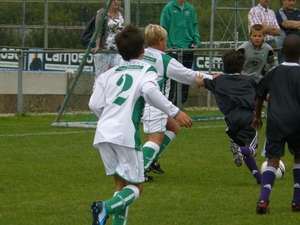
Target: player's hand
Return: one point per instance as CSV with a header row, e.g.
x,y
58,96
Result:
x,y
183,119
96,49
257,124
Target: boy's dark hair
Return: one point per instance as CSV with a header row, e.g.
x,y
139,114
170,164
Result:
x,y
233,61
130,42
257,27
291,47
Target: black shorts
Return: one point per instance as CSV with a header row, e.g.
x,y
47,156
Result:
x,y
275,149
239,127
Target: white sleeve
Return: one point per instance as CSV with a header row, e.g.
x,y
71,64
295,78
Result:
x,y
176,71
154,97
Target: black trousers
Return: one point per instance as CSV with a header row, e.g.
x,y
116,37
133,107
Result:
x,y
187,61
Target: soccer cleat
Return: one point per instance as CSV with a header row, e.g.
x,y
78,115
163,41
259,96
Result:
x,y
295,206
148,179
99,213
262,206
237,155
155,167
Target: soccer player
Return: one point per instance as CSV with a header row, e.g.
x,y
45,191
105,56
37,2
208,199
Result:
x,y
283,121
257,53
235,96
160,128
118,102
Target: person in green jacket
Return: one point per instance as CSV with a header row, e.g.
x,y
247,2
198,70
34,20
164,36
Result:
x,y
179,19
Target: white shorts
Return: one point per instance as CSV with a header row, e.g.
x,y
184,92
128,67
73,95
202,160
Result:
x,y
154,120
126,162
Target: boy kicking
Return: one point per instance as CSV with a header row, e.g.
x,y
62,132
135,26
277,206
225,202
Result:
x,y
235,96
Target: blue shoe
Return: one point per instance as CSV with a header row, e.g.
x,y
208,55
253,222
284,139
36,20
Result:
x,y
99,213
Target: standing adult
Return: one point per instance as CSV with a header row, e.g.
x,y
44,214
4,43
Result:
x,y
113,24
262,14
288,18
179,19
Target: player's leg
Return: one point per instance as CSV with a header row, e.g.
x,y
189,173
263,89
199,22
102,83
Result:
x,y
154,125
274,150
169,135
122,163
294,148
249,138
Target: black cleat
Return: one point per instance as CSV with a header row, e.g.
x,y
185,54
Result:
x,y
155,168
262,206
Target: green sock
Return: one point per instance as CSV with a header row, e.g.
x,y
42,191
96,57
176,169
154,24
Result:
x,y
168,138
120,217
122,199
150,150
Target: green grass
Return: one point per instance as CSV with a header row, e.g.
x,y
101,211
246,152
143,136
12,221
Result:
x,y
50,175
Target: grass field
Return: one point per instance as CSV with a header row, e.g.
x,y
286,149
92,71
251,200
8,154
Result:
x,y
50,175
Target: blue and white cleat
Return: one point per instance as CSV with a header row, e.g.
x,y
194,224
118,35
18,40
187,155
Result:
x,y
99,213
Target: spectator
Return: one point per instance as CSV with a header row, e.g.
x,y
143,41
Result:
x,y
235,97
257,53
179,19
118,101
262,14
282,83
288,18
113,24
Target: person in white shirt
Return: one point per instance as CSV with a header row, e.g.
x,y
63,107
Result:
x,y
118,101
160,128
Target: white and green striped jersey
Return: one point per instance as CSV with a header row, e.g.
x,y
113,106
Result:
x,y
168,68
118,101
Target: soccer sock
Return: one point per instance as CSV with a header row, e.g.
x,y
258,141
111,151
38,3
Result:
x,y
267,182
150,149
252,166
296,174
122,199
120,217
168,138
247,151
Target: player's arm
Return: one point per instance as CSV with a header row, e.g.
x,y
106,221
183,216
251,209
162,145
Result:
x,y
257,122
154,97
176,71
201,76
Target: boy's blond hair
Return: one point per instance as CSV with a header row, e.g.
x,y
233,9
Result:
x,y
153,33
257,27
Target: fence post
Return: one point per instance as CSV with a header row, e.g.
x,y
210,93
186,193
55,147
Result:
x,y
20,81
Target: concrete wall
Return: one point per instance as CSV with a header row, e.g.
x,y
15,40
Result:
x,y
46,91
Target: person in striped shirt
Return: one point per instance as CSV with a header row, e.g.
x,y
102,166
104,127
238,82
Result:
x,y
262,14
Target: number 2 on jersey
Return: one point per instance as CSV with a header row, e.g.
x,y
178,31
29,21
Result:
x,y
125,81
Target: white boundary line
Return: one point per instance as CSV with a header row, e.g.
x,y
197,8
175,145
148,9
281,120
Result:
x,y
87,130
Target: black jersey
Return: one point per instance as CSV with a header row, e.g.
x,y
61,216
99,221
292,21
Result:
x,y
232,91
283,85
